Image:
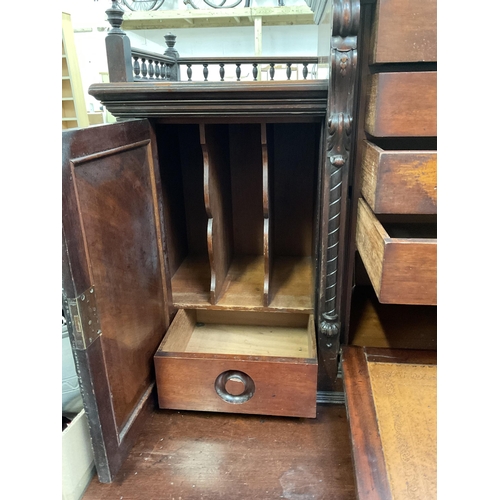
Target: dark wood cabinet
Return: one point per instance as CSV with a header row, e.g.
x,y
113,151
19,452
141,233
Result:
x,y
191,264
210,237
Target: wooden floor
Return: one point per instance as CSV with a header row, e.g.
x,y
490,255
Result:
x,y
191,455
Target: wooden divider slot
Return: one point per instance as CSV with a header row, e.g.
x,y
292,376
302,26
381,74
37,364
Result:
x,y
266,188
239,214
217,196
185,217
233,200
292,194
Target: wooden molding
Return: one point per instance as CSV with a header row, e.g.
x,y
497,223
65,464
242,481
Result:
x,y
372,482
220,99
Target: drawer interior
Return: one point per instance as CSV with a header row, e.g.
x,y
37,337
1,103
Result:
x,y
407,226
415,230
400,258
241,333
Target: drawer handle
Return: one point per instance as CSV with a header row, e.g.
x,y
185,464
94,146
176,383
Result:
x,y
238,377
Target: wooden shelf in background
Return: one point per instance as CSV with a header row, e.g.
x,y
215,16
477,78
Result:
x,y
72,89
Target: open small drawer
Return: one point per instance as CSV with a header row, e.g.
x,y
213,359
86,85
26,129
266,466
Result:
x,y
239,362
400,259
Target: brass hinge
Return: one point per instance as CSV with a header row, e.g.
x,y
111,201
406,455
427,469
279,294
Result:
x,y
83,319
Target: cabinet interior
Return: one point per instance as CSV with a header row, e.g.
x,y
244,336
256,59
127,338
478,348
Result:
x,y
240,203
396,326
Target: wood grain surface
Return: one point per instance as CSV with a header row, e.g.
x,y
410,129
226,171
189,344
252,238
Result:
x,y
281,361
248,340
410,273
391,407
404,31
402,270
391,325
217,195
118,216
293,174
267,209
401,356
245,154
192,455
187,383
231,101
191,283
181,169
291,285
402,104
372,482
244,283
399,182
113,242
405,397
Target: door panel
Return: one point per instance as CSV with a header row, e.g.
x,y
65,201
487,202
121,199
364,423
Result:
x,y
114,280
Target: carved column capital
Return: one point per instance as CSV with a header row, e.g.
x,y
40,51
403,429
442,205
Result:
x,y
339,128
346,17
329,327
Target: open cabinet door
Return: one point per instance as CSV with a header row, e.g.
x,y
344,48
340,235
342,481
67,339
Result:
x,y
114,285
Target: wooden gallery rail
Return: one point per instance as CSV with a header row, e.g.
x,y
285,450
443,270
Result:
x,y
256,63
129,64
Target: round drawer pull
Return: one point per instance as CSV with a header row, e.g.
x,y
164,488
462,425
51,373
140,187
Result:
x,y
234,387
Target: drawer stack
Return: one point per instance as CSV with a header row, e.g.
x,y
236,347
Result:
x,y
393,315
396,231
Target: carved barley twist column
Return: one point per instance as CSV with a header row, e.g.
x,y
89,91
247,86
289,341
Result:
x,y
343,61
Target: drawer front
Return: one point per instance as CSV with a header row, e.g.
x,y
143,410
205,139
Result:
x,y
239,362
399,182
402,105
401,270
405,31
278,388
